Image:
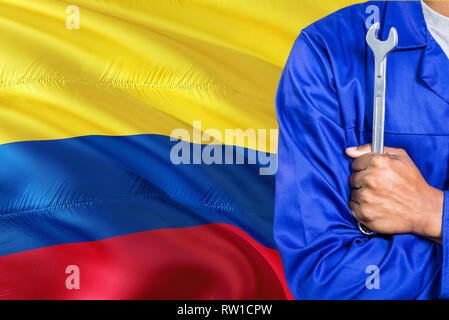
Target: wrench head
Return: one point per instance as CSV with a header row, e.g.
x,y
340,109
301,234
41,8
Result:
x,y
381,48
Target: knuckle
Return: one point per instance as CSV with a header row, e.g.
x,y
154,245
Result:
x,y
364,215
372,181
351,206
402,151
378,161
351,180
366,198
368,180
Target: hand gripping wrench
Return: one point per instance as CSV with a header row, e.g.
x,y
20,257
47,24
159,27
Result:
x,y
380,50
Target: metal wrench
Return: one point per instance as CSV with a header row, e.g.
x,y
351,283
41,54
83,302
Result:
x,y
380,49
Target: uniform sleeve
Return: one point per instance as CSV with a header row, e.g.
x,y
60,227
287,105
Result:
x,y
325,256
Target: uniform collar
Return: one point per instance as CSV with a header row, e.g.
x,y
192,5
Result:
x,y
435,70
408,18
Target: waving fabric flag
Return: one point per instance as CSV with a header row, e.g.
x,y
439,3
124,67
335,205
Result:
x,y
92,205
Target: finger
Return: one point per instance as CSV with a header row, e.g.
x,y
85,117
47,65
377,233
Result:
x,y
355,196
357,179
355,208
363,162
356,152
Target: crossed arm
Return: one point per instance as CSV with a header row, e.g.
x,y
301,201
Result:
x,y
390,196
325,256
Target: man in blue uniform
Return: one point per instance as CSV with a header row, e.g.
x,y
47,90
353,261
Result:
x,y
325,183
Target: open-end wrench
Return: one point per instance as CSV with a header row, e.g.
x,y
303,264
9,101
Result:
x,y
380,49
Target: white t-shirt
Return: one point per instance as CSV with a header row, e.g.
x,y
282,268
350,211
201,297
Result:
x,y
438,26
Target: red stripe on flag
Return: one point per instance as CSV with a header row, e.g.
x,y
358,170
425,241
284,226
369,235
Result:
x,y
214,261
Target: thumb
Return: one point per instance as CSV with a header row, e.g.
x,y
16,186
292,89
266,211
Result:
x,y
356,152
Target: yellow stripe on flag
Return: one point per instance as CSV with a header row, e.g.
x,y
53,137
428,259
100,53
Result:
x,y
143,66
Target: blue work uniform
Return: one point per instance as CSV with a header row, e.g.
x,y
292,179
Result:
x,y
324,105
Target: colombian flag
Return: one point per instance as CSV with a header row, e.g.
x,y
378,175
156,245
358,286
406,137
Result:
x,y
92,93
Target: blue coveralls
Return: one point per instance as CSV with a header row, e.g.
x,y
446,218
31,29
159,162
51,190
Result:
x,y
324,105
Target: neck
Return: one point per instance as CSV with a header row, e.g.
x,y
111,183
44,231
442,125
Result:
x,y
442,7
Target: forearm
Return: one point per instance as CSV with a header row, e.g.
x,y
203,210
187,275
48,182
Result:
x,y
430,220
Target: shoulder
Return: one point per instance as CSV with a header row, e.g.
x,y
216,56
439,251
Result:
x,y
343,31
